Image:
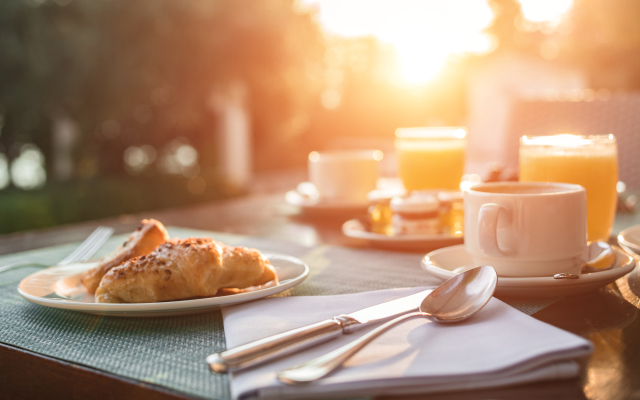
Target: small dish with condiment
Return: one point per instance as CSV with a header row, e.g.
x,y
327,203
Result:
x,y
418,221
360,229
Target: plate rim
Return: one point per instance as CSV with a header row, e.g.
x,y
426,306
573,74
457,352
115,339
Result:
x,y
170,306
321,204
378,237
622,240
591,278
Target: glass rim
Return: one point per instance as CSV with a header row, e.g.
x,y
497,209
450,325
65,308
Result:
x,y
444,132
567,140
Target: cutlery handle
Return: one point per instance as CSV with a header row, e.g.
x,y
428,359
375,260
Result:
x,y
271,347
323,365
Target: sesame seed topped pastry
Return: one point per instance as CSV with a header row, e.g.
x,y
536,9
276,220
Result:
x,y
182,269
149,235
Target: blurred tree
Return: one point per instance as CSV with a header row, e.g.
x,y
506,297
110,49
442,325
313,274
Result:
x,y
134,79
603,37
513,33
133,72
504,24
600,37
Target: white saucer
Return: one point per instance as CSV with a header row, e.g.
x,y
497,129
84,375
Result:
x,y
306,203
629,239
354,228
447,262
60,287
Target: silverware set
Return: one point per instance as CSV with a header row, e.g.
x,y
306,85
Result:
x,y
453,301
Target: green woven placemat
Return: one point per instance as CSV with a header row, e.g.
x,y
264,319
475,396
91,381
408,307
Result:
x,y
170,351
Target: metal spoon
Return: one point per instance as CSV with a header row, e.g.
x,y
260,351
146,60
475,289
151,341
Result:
x,y
453,301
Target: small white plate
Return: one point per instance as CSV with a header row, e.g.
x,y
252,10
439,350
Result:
x,y
60,287
354,228
630,239
446,263
306,203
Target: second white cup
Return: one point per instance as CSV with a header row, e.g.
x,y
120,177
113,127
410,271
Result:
x,y
345,175
526,229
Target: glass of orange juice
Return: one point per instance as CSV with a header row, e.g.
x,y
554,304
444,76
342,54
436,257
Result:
x,y
589,161
431,158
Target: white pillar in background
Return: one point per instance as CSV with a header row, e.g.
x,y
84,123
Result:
x,y
229,103
65,132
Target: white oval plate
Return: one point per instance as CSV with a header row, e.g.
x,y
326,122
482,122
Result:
x,y
60,287
355,229
443,262
630,239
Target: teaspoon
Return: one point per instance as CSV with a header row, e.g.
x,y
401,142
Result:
x,y
453,301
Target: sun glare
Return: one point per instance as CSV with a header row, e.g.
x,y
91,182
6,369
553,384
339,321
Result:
x,y
424,33
544,10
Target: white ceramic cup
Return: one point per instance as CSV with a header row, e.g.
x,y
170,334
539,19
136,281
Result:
x,y
526,229
346,175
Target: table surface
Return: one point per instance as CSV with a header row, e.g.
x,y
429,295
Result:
x,y
606,316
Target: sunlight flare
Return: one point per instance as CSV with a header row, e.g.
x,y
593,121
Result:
x,y
424,33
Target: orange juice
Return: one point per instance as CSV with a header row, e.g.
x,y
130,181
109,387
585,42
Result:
x,y
431,158
591,162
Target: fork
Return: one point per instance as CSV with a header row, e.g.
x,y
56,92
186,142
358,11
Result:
x,y
82,253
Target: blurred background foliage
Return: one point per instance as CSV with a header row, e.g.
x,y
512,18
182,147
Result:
x,y
133,81
112,106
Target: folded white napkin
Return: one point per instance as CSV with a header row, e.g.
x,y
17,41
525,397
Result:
x,y
498,346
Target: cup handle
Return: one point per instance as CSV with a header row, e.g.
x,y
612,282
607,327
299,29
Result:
x,y
488,229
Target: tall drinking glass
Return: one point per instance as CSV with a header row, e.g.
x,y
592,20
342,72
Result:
x,y
589,161
431,158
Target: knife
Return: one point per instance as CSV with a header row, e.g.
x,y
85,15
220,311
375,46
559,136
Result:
x,y
266,349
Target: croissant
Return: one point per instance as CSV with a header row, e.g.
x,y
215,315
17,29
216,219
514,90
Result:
x,y
149,235
182,269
